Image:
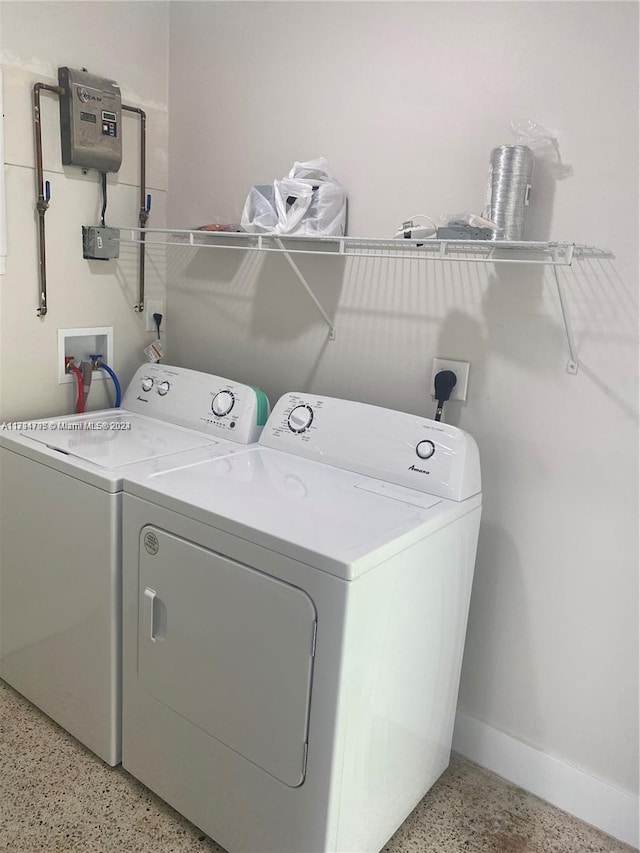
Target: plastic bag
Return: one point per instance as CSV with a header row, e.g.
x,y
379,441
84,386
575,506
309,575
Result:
x,y
259,215
308,201
544,143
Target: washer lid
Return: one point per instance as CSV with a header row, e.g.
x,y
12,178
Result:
x,y
333,519
114,440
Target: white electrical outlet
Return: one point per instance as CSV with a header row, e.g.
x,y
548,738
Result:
x,y
461,370
151,307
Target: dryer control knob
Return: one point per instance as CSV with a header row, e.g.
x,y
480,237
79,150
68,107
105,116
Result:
x,y
425,449
300,418
222,403
163,388
147,383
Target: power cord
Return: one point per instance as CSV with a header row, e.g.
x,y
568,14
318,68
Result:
x,y
158,321
103,176
444,383
410,231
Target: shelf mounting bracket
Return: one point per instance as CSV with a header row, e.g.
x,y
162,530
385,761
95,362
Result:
x,y
572,364
303,281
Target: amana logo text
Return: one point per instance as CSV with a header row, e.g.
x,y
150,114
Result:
x,y
419,470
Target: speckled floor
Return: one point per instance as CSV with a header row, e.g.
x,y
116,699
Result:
x,y
56,796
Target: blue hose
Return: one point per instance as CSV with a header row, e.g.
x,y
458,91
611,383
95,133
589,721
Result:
x,y
116,383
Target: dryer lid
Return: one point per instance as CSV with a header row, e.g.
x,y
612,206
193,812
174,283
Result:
x,y
324,516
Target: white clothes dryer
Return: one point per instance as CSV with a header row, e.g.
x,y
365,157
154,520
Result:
x,y
293,626
61,535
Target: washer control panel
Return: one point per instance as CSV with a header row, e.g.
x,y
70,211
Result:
x,y
201,401
222,403
300,418
409,450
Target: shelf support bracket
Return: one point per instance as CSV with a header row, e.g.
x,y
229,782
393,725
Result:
x,y
303,281
572,364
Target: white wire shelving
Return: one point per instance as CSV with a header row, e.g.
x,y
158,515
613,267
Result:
x,y
553,254
478,251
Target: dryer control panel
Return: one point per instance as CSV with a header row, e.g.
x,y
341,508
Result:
x,y
397,447
211,404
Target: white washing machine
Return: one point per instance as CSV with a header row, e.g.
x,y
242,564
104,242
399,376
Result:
x,y
293,626
61,535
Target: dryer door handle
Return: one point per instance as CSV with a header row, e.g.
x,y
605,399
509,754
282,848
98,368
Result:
x,y
150,596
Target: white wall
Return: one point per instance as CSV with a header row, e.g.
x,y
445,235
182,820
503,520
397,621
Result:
x,y
127,42
406,101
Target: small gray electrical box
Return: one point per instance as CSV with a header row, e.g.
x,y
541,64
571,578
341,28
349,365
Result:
x,y
90,121
463,232
100,243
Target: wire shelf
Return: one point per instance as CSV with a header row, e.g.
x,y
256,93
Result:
x,y
454,251
475,251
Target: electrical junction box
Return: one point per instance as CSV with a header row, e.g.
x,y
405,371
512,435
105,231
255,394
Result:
x,y
90,121
100,243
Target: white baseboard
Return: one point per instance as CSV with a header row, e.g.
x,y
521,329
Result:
x,y
609,809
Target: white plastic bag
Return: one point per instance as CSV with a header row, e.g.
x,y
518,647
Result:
x,y
544,143
259,215
292,201
309,201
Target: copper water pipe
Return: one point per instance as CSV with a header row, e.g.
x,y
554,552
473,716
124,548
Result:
x,y
42,201
144,210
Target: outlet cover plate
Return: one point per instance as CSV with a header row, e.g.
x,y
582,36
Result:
x,y
461,370
151,307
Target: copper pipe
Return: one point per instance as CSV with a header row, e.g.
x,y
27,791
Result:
x,y
144,213
42,202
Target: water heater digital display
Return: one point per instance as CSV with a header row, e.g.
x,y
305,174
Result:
x,y
90,121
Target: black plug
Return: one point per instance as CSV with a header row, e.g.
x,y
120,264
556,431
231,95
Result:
x,y
444,383
158,319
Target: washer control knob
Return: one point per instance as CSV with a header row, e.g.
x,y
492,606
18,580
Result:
x,y
300,418
147,383
222,403
425,449
163,388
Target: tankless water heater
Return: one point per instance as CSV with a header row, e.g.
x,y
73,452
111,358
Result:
x,y
90,121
